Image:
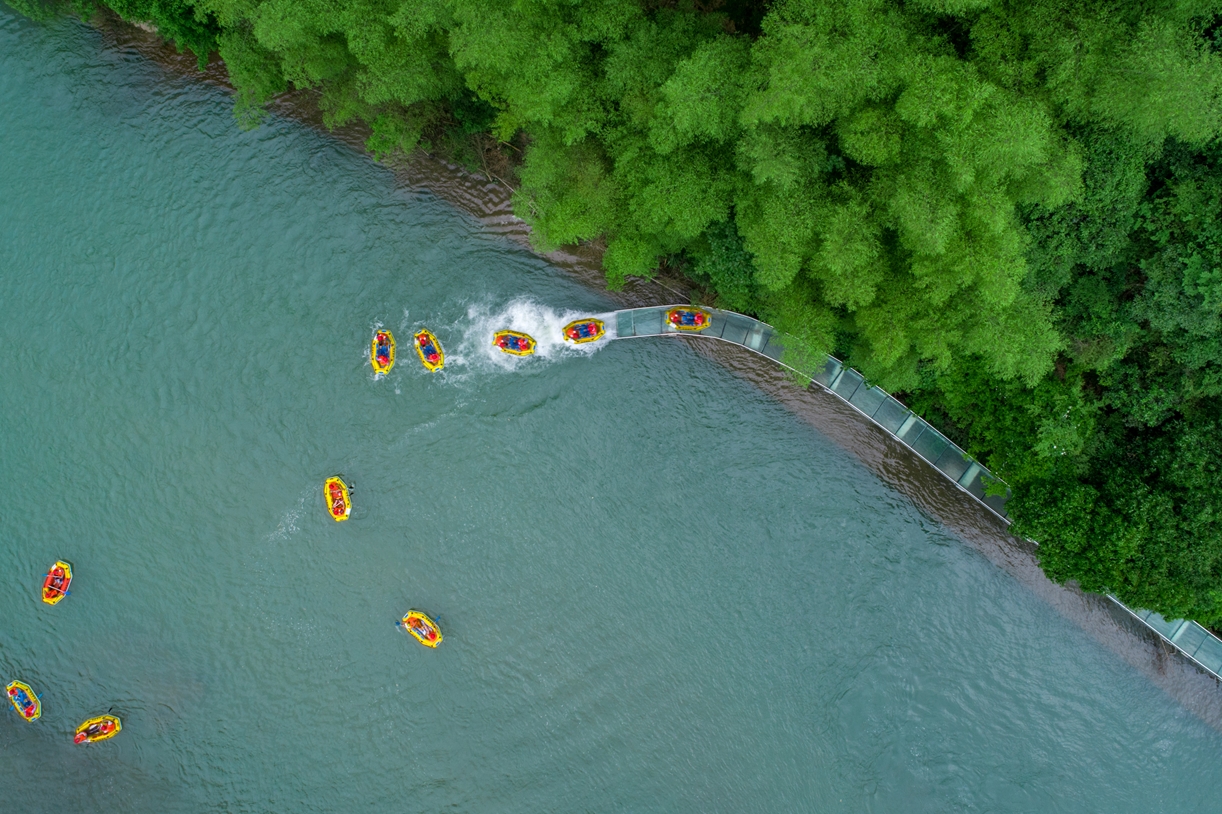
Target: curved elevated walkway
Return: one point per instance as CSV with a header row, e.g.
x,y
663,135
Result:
x,y
1189,638
831,374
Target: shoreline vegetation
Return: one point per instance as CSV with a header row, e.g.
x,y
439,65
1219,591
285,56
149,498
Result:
x,y
1009,214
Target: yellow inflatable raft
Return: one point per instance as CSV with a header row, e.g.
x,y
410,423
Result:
x,y
584,330
426,631
431,354
688,319
101,728
518,344
339,501
382,352
24,700
55,585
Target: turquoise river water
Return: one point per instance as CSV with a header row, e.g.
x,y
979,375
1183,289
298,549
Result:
x,y
660,591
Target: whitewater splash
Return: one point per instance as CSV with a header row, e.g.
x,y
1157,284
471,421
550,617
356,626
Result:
x,y
473,345
288,521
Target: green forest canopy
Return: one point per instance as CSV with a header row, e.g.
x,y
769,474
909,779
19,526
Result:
x,y
1008,211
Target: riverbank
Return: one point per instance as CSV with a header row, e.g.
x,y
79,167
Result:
x,y
488,199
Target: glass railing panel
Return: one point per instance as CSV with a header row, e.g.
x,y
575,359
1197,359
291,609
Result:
x,y
997,503
717,324
891,414
623,324
954,463
848,383
930,444
757,338
1164,627
737,328
1189,638
975,487
1210,653
911,429
775,347
649,321
973,470
828,373
868,399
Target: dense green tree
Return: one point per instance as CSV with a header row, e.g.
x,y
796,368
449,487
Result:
x,y
182,22
1115,460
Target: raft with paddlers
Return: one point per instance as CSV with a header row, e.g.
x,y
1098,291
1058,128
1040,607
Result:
x,y
431,354
518,344
55,585
382,352
688,319
103,727
584,330
339,500
24,700
426,631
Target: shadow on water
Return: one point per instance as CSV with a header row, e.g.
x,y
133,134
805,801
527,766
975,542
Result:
x,y
490,201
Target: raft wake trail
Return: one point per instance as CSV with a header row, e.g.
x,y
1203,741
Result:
x,y
545,325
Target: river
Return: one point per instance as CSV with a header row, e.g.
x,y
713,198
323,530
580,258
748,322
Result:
x,y
660,590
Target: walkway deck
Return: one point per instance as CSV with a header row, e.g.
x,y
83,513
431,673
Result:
x,y
830,373
1189,638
